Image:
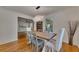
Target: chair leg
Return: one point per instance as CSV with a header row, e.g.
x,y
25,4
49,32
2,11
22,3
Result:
x,y
50,50
37,48
43,50
32,47
61,50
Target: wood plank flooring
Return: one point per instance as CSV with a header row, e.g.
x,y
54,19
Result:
x,y
16,46
68,48
22,46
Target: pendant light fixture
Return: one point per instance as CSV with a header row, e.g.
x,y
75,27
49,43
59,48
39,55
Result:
x,y
37,7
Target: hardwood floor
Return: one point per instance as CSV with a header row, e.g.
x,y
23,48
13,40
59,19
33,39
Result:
x,y
16,46
68,48
22,46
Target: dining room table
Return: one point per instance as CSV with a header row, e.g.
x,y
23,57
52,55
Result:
x,y
65,46
45,35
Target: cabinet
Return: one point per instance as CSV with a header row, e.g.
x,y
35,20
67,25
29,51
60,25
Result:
x,y
39,26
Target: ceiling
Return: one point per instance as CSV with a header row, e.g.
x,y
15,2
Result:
x,y
31,10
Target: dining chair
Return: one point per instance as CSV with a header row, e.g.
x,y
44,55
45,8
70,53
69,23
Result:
x,y
28,32
36,41
46,43
60,39
76,38
56,46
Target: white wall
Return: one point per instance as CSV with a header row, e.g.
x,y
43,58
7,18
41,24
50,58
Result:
x,y
61,18
8,25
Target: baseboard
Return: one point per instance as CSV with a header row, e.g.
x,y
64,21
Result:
x,y
7,42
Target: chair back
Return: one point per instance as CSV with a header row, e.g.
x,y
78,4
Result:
x,y
60,38
28,31
76,38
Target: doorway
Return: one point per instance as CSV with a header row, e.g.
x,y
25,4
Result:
x,y
48,25
23,23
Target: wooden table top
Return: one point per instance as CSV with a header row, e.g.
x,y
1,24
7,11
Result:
x,y
44,35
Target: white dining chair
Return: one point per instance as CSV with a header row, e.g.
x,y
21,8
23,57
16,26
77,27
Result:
x,y
58,44
35,42
76,38
28,32
60,39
